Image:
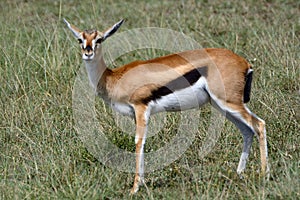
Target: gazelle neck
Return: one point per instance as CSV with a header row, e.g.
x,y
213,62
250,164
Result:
x,y
97,71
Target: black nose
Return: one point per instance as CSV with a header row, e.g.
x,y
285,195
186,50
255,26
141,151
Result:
x,y
88,48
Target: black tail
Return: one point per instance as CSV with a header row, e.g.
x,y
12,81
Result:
x,y
247,89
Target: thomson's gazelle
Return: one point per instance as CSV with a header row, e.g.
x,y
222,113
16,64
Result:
x,y
171,83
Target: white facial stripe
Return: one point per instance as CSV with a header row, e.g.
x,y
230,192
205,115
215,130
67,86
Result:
x,y
94,43
84,44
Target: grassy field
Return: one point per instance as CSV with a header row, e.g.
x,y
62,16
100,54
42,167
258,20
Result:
x,y
41,155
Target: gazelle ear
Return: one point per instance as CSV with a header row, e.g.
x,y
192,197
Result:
x,y
76,32
112,30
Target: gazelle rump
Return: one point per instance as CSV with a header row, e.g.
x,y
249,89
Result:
x,y
174,82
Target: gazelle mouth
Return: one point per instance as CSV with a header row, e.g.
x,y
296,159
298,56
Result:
x,y
87,59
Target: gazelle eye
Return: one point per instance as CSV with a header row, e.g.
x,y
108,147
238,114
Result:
x,y
80,41
99,40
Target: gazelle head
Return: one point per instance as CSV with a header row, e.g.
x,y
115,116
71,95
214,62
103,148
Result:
x,y
90,40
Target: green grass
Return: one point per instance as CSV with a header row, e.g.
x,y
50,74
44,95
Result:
x,y
41,155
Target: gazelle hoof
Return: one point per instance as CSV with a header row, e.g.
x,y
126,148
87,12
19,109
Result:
x,y
134,190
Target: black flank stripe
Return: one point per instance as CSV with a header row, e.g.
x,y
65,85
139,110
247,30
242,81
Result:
x,y
179,83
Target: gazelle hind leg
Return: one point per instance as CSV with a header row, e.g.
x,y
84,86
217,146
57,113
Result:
x,y
249,124
259,126
247,133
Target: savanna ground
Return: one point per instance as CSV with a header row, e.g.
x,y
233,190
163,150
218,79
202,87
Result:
x,y
41,155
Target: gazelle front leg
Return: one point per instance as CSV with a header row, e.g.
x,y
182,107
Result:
x,y
141,116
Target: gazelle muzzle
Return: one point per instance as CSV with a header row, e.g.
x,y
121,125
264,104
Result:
x,y
87,53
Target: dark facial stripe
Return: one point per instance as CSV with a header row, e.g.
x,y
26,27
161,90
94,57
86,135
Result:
x,y
179,83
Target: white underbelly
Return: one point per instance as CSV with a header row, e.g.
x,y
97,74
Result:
x,y
192,97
